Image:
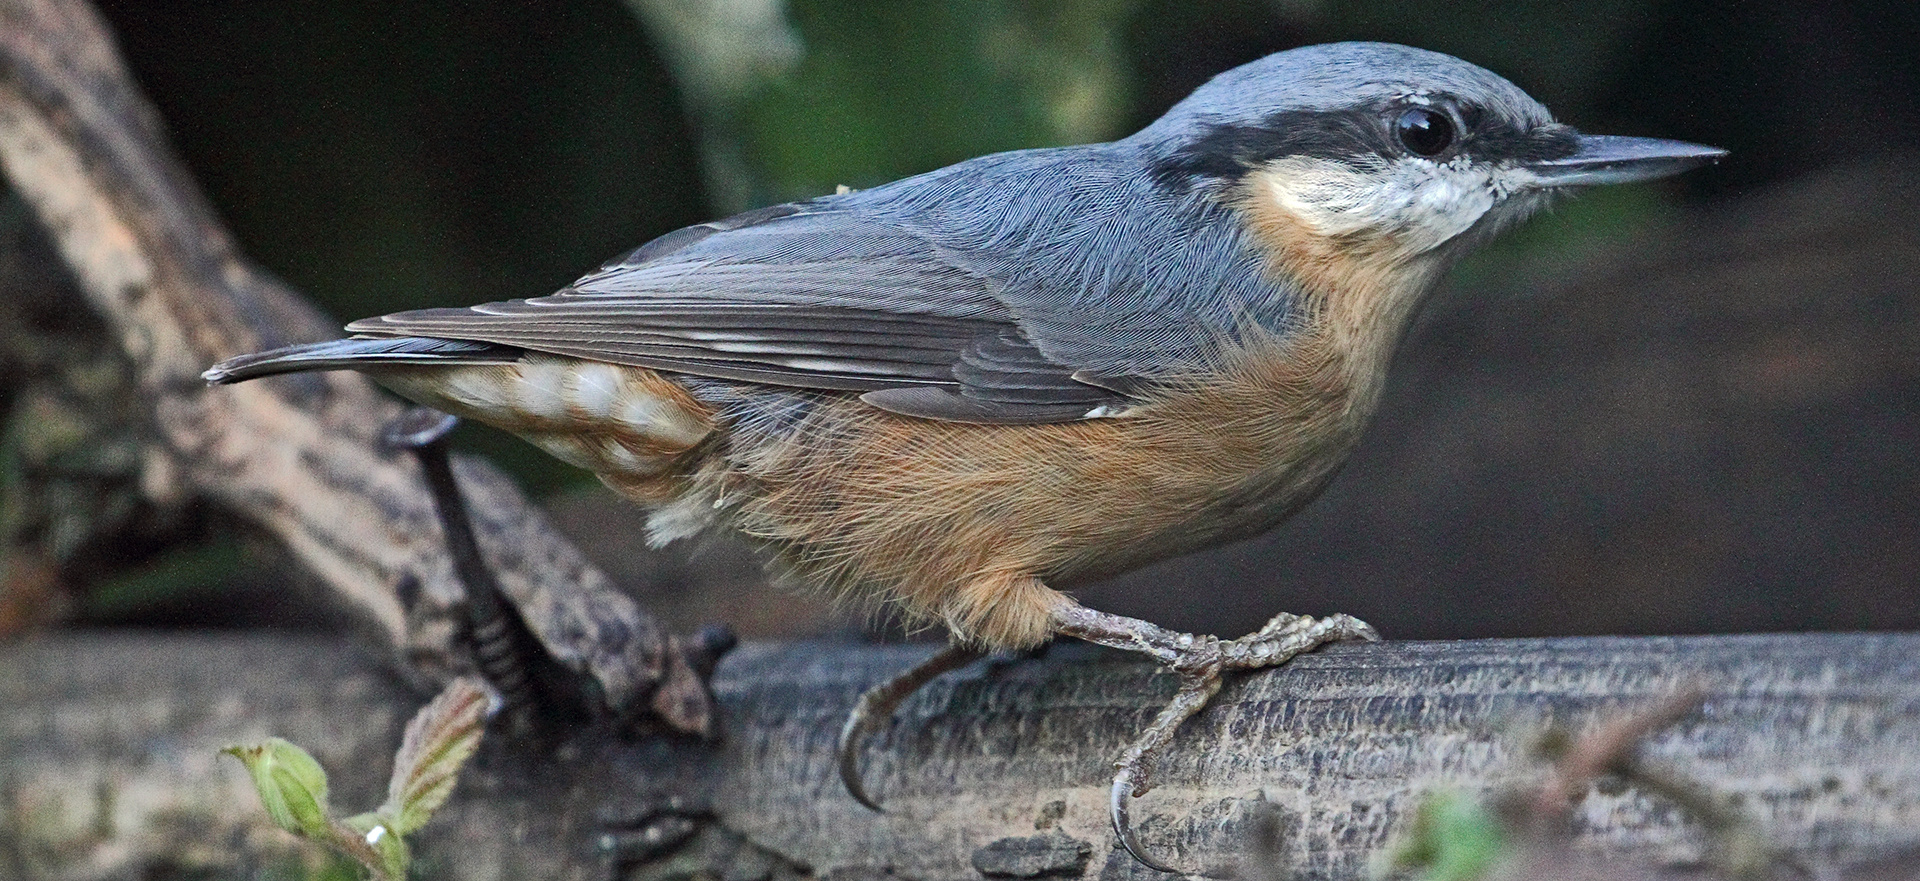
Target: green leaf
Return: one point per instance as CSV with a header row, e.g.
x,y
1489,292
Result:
x,y
438,741
1453,838
292,786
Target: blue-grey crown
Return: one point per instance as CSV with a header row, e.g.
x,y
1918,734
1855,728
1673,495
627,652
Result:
x,y
1329,100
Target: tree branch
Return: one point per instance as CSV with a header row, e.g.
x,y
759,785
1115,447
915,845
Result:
x,y
296,457
1814,738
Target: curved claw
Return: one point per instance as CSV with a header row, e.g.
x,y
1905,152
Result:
x,y
1351,629
858,725
1117,799
877,706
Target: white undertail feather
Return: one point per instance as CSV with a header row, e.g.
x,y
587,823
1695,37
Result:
x,y
624,423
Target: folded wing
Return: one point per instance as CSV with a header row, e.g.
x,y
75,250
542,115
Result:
x,y
799,295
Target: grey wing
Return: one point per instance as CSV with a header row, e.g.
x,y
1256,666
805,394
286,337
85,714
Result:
x,y
799,295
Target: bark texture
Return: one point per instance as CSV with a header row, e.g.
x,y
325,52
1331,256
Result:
x,y
999,770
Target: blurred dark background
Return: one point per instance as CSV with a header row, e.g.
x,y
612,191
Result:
x,y
1684,407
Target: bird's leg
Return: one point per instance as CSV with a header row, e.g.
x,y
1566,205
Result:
x,y
1200,662
878,704
500,647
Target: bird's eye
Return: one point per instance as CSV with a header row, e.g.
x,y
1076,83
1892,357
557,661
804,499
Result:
x,y
1425,131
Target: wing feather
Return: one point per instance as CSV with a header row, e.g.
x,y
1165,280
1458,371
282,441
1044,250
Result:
x,y
797,295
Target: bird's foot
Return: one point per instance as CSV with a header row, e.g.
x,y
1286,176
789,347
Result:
x,y
877,706
1201,662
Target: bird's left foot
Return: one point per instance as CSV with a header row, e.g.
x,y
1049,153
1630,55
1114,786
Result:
x,y
877,706
1201,662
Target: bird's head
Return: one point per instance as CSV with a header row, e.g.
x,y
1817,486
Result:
x,y
1370,164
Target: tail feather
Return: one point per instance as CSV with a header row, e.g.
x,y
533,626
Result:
x,y
356,353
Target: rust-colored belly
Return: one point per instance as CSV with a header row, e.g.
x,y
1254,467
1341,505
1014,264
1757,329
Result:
x,y
868,502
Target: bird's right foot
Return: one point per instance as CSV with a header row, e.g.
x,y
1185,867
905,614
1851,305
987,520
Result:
x,y
1201,662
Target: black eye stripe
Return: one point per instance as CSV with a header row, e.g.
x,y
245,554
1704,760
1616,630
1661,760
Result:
x,y
1225,153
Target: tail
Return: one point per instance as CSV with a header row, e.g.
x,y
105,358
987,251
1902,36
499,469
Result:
x,y
357,353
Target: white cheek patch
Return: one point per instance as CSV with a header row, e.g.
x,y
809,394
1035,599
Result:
x,y
1330,197
1418,203
1444,202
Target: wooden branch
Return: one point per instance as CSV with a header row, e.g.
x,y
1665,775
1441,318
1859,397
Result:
x,y
1814,738
297,457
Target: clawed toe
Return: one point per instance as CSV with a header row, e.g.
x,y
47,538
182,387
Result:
x,y
1287,636
1346,628
1117,800
878,704
861,721
1201,662
1134,770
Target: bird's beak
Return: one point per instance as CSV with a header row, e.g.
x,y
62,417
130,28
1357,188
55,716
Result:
x,y
1609,159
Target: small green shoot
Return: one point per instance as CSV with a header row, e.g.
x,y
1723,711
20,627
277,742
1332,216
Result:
x,y
438,741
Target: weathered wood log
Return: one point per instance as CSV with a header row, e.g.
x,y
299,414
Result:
x,y
108,742
296,457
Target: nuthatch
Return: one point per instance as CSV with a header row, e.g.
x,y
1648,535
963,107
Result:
x,y
962,391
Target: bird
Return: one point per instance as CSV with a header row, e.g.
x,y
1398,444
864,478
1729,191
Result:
x,y
962,393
